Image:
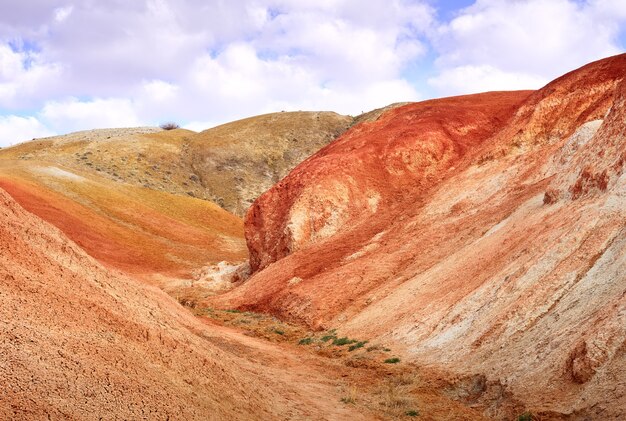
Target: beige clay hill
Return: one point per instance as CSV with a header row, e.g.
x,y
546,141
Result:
x,y
136,199
230,165
485,234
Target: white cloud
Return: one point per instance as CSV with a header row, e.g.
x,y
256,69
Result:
x,y
15,129
207,60
238,83
611,10
475,79
198,126
521,44
62,13
24,77
72,115
159,91
200,61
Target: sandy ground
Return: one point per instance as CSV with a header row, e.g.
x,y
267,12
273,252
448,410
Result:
x,y
78,341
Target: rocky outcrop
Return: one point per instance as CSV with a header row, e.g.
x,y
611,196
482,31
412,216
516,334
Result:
x,y
483,233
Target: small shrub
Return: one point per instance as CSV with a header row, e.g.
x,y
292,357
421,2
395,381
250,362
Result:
x,y
343,341
526,416
305,341
278,331
170,125
412,413
357,345
394,360
351,398
233,311
374,348
327,338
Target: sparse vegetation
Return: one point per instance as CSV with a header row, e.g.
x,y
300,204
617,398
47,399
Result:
x,y
351,397
343,341
394,360
170,125
412,413
526,416
305,341
357,345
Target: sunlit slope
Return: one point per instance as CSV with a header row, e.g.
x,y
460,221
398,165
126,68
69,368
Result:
x,y
144,156
238,161
138,230
484,233
231,164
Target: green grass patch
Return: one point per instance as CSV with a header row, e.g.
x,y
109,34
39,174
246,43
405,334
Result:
x,y
394,360
305,341
343,341
357,345
327,338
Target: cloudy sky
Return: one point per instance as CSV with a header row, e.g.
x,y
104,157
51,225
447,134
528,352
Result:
x,y
68,65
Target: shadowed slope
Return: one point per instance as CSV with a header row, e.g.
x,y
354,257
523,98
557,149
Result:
x,y
238,161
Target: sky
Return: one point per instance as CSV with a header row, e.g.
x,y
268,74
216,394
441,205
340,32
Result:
x,y
68,65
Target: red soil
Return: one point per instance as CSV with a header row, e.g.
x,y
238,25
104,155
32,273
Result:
x,y
80,342
430,227
375,165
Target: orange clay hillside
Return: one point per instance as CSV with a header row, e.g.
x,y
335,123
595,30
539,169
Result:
x,y
230,165
157,236
484,234
80,342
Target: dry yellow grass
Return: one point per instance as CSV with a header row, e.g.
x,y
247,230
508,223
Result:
x,y
231,164
238,161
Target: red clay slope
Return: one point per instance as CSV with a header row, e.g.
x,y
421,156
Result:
x,y
503,255
374,166
80,342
